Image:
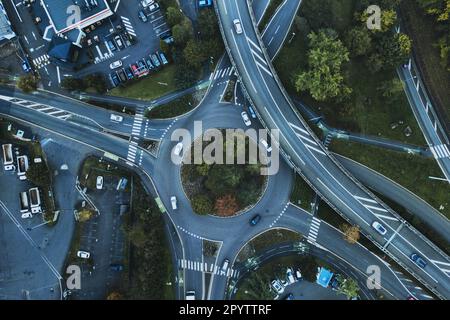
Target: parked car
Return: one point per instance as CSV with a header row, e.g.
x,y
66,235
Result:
x,y
119,42
247,121
379,228
153,7
142,66
178,148
26,66
204,3
173,201
418,260
146,3
155,60
142,16
99,183
254,221
237,26
225,264
116,267
129,73
122,76
116,118
114,79
265,145
115,64
252,112
135,70
163,58
83,254
290,276
277,286
149,63
111,45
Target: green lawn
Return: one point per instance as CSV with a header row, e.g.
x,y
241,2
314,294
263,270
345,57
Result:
x,y
410,171
150,87
301,194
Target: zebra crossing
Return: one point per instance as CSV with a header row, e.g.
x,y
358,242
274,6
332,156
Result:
x,y
209,268
133,151
41,61
128,26
440,151
222,73
48,110
314,230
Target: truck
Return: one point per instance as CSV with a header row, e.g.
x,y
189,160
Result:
x,y
35,200
7,154
190,295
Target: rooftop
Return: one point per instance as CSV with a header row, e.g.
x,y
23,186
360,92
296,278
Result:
x,y
324,277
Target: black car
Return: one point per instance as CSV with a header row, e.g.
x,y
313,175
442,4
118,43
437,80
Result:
x,y
254,221
129,73
122,76
114,79
116,267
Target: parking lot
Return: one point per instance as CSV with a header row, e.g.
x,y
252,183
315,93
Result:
x,y
122,37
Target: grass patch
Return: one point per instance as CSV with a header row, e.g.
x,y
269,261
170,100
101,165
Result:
x,y
301,194
410,171
150,87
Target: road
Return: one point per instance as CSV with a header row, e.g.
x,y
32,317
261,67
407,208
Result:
x,y
304,151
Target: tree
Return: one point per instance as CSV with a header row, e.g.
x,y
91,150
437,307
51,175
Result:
x,y
201,204
348,287
258,287
324,79
182,32
185,75
308,267
359,41
96,81
194,54
174,16
226,205
394,49
27,83
70,83
391,90
351,233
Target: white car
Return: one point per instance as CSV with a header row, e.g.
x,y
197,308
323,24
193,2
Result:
x,y
116,64
246,119
99,183
83,254
265,145
379,228
146,3
153,7
117,118
277,286
173,201
178,148
27,215
237,26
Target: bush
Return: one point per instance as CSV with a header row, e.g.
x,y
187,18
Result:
x,y
27,83
201,204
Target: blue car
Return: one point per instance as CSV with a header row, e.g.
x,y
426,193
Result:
x,y
114,79
252,112
204,3
26,66
418,260
254,221
129,73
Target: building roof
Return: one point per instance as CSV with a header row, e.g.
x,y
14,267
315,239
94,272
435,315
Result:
x,y
324,277
66,15
6,31
61,49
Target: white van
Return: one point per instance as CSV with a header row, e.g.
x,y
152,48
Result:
x,y
116,118
225,264
173,201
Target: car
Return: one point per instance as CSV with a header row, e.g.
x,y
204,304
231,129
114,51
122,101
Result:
x,y
163,58
252,112
99,183
115,267
149,63
290,296
237,26
204,3
153,7
115,64
83,254
26,215
129,73
277,286
265,145
225,264
26,66
111,45
298,275
379,228
247,121
142,66
418,260
190,295
173,201
114,79
135,70
116,118
178,148
254,221
142,16
290,276
155,60
146,3
122,76
119,42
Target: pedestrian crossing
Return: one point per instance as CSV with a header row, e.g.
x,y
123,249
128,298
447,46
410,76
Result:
x,y
209,268
133,151
222,73
128,26
314,230
440,151
41,61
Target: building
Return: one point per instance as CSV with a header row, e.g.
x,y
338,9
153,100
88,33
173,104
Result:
x,y
6,32
324,277
68,18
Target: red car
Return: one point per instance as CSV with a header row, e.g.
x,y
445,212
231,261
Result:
x,y
135,70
